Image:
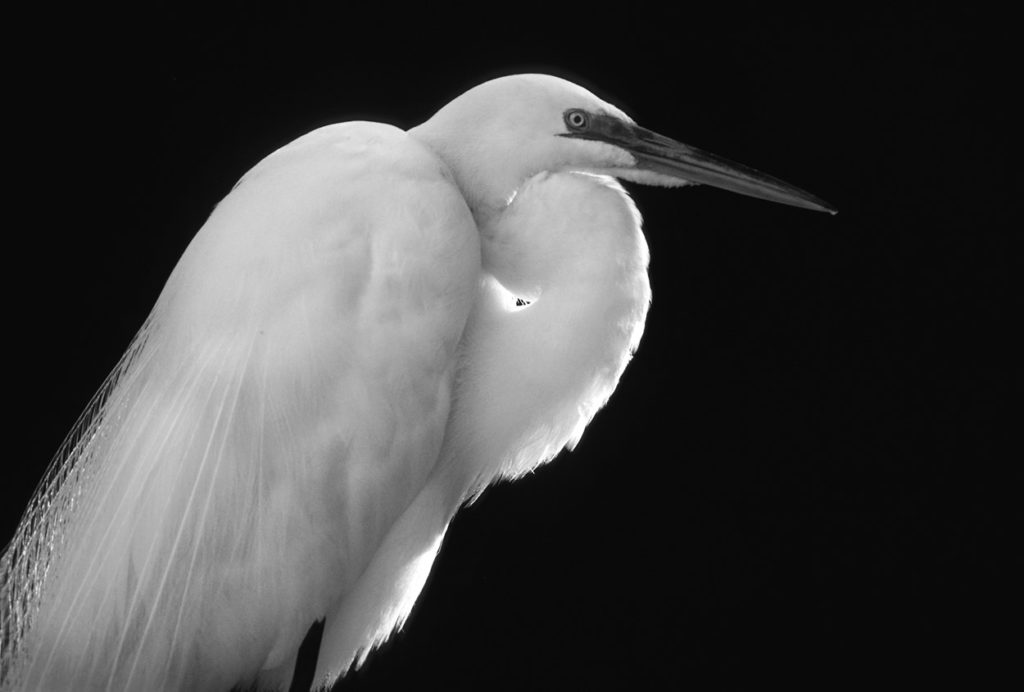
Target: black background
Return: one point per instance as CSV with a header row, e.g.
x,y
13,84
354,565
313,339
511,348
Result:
x,y
802,476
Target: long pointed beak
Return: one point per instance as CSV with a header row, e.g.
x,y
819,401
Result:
x,y
666,156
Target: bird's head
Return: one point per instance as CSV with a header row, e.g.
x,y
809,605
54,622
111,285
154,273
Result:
x,y
501,133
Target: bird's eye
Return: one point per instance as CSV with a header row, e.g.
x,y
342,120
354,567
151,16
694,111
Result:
x,y
576,119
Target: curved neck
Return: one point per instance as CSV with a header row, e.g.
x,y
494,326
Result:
x,y
533,377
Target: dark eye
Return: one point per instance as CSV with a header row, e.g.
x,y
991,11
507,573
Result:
x,y
576,119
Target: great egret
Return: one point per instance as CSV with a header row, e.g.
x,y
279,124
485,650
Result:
x,y
336,364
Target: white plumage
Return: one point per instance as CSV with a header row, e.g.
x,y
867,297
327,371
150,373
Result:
x,y
336,364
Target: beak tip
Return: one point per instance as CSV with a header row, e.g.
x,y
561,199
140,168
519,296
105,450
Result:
x,y
817,204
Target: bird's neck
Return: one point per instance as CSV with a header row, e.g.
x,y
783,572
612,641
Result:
x,y
534,376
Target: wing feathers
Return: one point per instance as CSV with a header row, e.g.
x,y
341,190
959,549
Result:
x,y
283,406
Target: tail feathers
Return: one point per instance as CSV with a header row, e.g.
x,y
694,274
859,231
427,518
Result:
x,y
136,540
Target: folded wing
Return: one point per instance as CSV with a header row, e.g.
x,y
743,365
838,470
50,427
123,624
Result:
x,y
282,408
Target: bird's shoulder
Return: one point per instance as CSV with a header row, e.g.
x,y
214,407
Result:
x,y
355,150
344,207
345,181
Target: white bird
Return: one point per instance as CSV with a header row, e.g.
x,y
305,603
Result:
x,y
336,364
